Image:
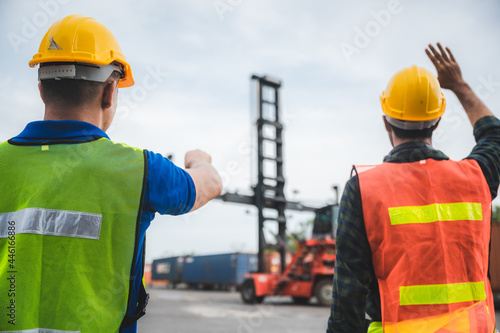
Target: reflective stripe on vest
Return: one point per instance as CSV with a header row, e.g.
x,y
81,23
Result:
x,y
428,226
69,220
466,320
51,222
460,211
442,293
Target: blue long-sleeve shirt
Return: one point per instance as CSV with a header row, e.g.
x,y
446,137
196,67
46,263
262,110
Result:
x,y
169,189
355,287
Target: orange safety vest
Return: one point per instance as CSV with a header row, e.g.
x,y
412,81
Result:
x,y
428,225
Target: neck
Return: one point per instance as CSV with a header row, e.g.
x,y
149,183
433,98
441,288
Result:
x,y
87,114
398,141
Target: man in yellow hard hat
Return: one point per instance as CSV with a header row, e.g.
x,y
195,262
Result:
x,y
413,233
74,205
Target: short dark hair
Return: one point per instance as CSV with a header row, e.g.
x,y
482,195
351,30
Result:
x,y
425,133
70,92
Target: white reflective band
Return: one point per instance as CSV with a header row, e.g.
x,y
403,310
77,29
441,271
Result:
x,y
50,222
40,330
363,168
78,71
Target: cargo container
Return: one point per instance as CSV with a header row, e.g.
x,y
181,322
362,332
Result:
x,y
147,274
148,277
221,271
168,269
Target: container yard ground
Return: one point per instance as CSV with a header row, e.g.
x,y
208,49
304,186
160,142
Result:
x,y
193,311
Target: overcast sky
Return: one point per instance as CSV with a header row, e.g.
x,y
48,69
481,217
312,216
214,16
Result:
x,y
192,62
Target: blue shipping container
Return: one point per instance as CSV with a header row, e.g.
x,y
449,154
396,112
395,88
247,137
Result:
x,y
222,270
168,269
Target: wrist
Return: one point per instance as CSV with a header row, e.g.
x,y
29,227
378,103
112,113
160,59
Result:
x,y
461,89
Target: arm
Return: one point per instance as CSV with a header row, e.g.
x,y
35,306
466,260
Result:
x,y
486,126
207,180
450,77
354,278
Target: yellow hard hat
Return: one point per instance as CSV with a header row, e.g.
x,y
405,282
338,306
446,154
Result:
x,y
413,94
80,39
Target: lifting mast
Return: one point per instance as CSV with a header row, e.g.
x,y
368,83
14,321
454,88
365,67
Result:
x,y
269,190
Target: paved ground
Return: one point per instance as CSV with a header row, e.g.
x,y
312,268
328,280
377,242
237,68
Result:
x,y
187,311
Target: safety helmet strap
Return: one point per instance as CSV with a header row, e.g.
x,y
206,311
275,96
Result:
x,y
77,71
411,125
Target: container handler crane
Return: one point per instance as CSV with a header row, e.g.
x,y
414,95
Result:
x,y
310,271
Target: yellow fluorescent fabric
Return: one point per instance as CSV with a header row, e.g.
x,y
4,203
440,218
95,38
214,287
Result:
x,y
457,322
376,327
442,293
469,211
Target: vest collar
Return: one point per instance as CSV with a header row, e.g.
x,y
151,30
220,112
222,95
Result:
x,y
59,129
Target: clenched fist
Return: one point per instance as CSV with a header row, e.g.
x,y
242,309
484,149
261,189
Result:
x,y
195,156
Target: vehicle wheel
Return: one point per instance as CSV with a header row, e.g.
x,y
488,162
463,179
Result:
x,y
248,293
323,292
300,300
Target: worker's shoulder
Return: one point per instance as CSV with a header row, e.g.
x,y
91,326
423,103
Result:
x,y
110,144
104,150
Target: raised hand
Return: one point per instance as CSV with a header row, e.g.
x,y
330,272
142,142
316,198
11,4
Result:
x,y
448,70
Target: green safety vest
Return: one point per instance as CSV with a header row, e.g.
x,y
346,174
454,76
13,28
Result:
x,y
69,228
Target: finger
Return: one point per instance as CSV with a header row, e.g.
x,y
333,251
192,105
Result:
x,y
433,59
443,53
451,55
429,54
436,53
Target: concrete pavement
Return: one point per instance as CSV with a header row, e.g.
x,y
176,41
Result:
x,y
189,311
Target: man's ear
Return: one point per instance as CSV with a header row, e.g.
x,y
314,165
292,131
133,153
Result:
x,y
41,91
108,93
